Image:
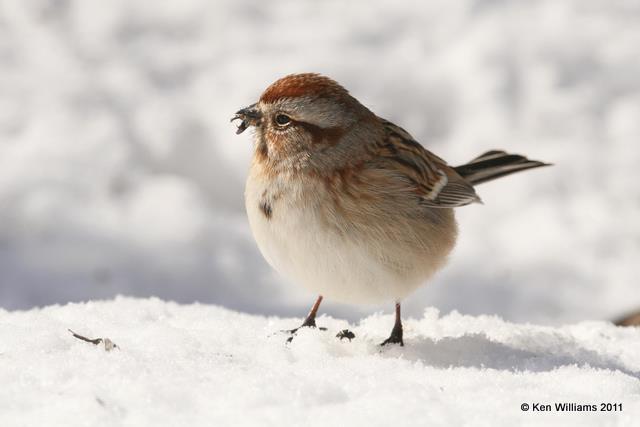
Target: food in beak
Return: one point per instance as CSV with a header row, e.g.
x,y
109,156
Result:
x,y
243,124
247,116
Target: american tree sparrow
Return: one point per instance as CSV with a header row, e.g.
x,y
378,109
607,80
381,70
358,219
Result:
x,y
348,204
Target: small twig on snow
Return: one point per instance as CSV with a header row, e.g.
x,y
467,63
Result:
x,y
108,344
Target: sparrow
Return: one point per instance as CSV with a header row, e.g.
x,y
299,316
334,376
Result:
x,y
348,204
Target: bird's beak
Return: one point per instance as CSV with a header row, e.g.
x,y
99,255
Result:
x,y
249,116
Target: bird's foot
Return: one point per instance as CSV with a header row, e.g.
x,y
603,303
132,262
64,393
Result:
x,y
395,337
308,323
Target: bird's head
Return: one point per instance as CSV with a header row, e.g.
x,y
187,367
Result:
x,y
302,116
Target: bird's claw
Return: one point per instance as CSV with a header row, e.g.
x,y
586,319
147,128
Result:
x,y
307,324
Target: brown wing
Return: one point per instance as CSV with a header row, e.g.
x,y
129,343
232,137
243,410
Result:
x,y
436,183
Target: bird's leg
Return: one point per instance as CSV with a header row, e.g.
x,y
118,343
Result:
x,y
310,321
311,317
396,333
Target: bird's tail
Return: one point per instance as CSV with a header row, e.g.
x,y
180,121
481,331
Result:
x,y
495,164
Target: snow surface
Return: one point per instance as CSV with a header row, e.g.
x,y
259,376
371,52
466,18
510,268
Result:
x,y
121,174
204,365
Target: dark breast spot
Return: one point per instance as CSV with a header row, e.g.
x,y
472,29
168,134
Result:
x,y
265,208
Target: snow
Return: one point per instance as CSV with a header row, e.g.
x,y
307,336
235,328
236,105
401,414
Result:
x,y
206,365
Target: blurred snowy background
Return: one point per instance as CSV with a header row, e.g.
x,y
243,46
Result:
x,y
121,174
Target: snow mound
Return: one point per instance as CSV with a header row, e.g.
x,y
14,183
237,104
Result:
x,y
206,365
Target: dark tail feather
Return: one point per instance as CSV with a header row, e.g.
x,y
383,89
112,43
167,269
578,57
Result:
x,y
495,164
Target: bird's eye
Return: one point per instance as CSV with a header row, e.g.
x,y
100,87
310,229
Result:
x,y
282,119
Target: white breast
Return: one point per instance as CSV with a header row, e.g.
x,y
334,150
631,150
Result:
x,y
296,241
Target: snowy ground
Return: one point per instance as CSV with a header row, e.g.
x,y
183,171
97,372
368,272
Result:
x,y
202,365
121,174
